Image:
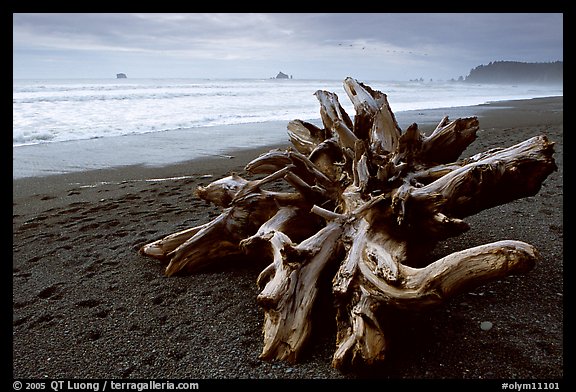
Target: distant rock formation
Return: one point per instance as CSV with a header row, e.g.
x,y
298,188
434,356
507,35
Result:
x,y
121,76
518,72
282,75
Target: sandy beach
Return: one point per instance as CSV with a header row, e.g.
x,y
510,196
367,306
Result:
x,y
86,304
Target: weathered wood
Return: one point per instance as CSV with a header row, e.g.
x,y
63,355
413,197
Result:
x,y
368,202
372,278
378,118
289,289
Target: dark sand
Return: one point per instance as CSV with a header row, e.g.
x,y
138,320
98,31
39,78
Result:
x,y
87,305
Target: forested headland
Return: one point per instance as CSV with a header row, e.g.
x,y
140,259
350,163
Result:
x,y
517,72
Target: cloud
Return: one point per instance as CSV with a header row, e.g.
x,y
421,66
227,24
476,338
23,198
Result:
x,y
317,41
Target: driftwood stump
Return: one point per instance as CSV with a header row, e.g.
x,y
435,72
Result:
x,y
370,201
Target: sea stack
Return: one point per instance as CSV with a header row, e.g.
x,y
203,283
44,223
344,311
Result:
x,y
121,76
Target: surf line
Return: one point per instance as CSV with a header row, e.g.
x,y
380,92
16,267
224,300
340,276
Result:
x,y
100,183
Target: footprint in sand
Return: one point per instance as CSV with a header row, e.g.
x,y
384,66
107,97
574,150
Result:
x,y
54,291
88,303
47,197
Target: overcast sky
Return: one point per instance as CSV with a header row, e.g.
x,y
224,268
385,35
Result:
x,y
373,46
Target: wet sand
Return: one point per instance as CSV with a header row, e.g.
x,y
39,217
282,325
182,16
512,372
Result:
x,y
87,305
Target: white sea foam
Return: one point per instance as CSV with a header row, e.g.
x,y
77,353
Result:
x,y
71,125
63,110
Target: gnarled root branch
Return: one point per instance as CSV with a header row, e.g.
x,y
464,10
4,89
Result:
x,y
361,339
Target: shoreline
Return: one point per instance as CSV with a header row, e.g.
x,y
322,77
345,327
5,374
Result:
x,y
173,147
87,305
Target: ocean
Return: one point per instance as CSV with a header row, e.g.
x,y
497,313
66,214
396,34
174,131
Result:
x,y
69,125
